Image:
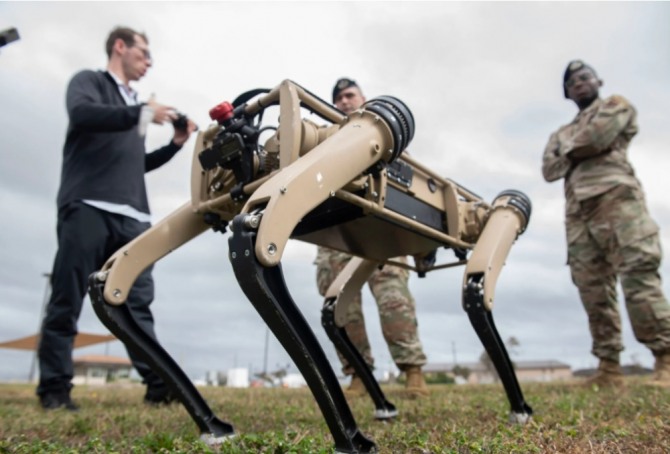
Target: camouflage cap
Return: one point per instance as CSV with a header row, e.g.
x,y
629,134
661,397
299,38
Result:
x,y
574,66
342,84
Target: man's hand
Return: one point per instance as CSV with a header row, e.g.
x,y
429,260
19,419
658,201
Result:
x,y
181,135
162,113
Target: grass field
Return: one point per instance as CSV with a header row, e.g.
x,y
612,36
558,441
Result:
x,y
461,419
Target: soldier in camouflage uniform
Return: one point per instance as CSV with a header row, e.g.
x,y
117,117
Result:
x,y
609,232
397,309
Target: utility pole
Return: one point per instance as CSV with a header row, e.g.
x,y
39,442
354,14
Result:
x,y
45,300
265,353
453,351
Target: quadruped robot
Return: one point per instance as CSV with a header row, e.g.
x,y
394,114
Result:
x,y
347,185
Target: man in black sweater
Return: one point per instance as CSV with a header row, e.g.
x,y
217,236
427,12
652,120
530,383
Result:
x,y
102,205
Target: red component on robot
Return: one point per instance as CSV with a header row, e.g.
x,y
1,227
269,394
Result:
x,y
221,112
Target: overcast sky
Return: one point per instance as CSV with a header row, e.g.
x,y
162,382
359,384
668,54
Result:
x,y
483,81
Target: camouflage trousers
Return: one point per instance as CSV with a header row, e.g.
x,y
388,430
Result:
x,y
612,236
397,311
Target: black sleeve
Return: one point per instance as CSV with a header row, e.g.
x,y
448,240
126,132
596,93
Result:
x,y
88,109
157,158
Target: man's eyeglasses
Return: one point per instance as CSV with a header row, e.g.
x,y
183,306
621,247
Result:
x,y
145,52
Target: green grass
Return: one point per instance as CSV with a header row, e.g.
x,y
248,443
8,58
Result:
x,y
455,419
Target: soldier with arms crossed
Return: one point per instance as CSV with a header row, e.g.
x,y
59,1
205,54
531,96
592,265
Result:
x,y
609,232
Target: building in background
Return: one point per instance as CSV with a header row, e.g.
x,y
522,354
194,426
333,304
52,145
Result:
x,y
237,378
30,343
479,373
101,370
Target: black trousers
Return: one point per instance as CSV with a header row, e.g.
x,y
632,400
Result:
x,y
87,237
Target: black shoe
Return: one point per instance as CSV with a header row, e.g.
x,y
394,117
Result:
x,y
56,400
159,395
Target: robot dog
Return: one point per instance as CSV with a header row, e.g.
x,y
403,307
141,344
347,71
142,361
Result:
x,y
348,186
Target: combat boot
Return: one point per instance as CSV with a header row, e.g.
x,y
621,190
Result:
x,y
608,375
356,387
415,385
662,370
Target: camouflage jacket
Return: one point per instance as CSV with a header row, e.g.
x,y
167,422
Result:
x,y
591,152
